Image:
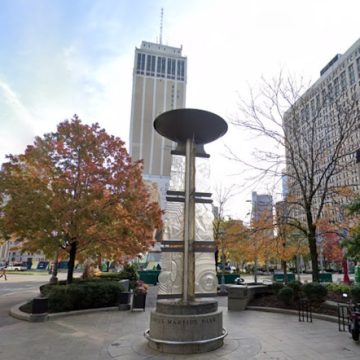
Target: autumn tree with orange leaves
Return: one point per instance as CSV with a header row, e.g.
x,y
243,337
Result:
x,y
77,189
236,236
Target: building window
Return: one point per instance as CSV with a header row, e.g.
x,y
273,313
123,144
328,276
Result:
x,y
343,83
337,87
330,94
171,68
180,73
161,64
358,66
312,105
351,73
140,63
324,97
150,65
307,112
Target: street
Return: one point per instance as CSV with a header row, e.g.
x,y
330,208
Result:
x,y
18,288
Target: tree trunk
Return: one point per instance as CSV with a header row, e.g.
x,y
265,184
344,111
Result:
x,y
314,257
71,265
285,272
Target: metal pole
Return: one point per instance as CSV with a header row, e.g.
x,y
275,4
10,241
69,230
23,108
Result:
x,y
54,279
298,266
222,285
255,268
189,224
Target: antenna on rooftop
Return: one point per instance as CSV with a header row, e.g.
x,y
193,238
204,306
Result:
x,y
161,24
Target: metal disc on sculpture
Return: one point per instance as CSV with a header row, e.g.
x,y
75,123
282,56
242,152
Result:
x,y
182,124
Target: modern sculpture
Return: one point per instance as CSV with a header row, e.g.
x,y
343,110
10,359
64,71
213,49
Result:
x,y
189,324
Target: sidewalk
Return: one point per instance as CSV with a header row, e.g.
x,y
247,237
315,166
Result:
x,y
119,335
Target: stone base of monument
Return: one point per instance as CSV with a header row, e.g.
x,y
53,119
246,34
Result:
x,y
191,328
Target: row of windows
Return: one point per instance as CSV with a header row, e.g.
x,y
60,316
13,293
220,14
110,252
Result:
x,y
165,67
332,89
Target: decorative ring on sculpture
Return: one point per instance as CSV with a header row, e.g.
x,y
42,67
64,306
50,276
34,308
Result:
x,y
207,282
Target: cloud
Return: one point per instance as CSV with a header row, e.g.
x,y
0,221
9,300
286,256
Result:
x,y
11,98
16,122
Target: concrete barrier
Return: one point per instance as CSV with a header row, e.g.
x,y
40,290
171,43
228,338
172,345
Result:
x,y
240,295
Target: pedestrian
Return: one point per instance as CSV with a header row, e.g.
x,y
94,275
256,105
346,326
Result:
x,y
3,272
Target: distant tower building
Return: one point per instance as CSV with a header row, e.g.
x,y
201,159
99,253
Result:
x,y
262,207
159,85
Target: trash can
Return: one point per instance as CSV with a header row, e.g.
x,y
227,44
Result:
x,y
124,301
40,305
39,309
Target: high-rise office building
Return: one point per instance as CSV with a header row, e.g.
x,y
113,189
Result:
x,y
323,129
159,85
262,208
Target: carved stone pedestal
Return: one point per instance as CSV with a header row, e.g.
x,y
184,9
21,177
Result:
x,y
180,328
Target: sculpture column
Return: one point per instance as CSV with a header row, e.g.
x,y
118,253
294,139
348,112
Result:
x,y
189,224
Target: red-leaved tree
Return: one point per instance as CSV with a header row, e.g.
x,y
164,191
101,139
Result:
x,y
78,189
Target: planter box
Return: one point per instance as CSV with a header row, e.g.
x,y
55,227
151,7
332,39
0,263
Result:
x,y
279,277
149,277
325,277
229,278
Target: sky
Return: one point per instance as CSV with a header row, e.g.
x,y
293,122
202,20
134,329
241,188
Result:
x,y
65,57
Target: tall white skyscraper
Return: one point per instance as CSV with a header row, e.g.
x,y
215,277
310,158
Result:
x,y
159,85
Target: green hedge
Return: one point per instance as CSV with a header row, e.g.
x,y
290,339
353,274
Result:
x,y
338,288
286,295
314,292
84,295
355,293
46,288
296,286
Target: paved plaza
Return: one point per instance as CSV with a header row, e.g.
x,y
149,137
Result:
x,y
118,335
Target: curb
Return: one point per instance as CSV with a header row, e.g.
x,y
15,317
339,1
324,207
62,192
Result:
x,y
20,315
292,312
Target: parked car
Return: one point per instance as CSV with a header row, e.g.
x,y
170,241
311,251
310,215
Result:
x,y
16,267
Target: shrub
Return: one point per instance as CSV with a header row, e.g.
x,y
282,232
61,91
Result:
x,y
286,295
296,286
129,272
355,293
314,292
84,295
276,287
338,288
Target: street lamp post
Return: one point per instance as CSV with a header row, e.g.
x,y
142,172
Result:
x,y
345,265
54,272
54,278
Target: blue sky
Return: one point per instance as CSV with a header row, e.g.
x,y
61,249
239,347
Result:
x,y
60,57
